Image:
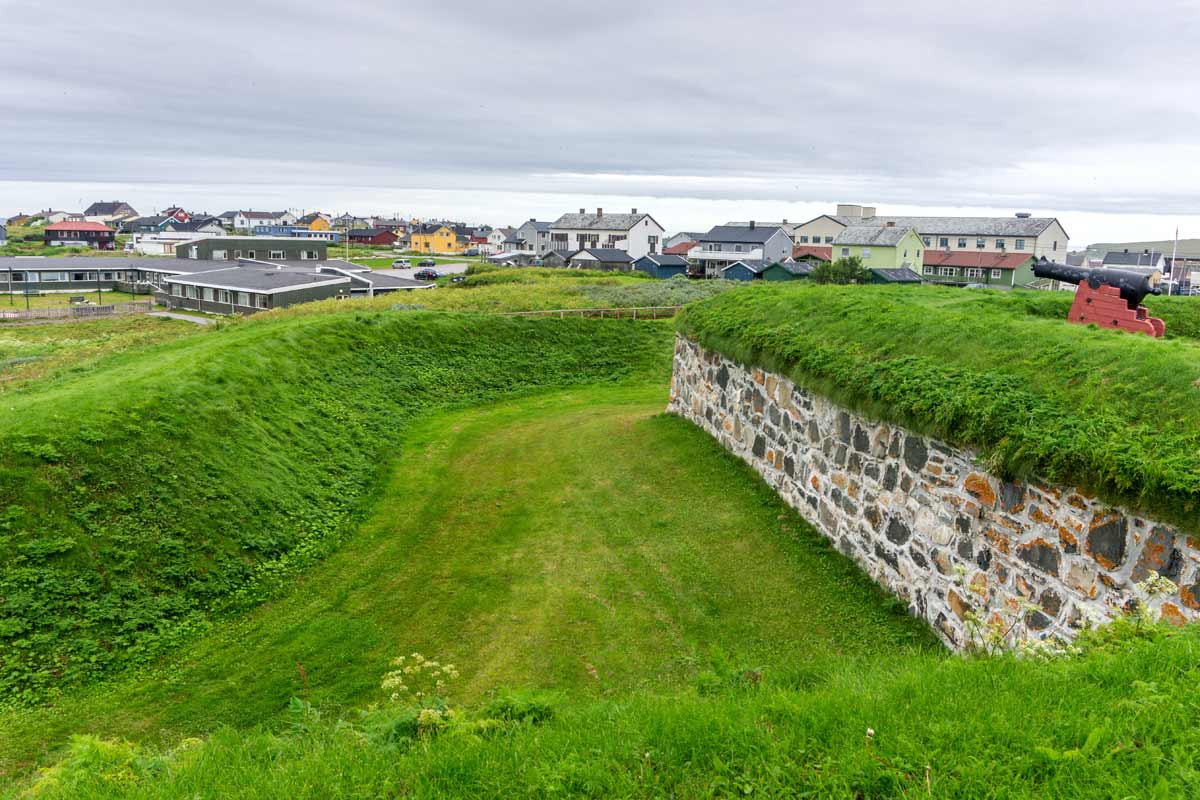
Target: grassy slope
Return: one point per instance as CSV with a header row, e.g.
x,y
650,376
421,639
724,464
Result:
x,y
578,542
172,483
1110,411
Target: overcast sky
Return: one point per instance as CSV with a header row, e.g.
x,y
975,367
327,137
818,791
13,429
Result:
x,y
696,111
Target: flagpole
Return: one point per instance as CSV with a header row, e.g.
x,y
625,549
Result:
x,y
1174,253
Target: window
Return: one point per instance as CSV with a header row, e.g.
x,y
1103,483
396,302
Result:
x,y
191,292
928,269
845,252
193,252
176,290
219,255
308,255
653,243
906,252
962,242
79,276
944,242
737,248
250,254
713,247
980,243
260,300
18,277
803,240
1056,244
108,276
866,252
948,271
974,272
243,299
828,240
924,239
224,297
999,244
207,294
1019,244
276,254
996,275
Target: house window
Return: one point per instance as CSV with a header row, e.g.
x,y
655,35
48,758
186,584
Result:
x,y
924,239
250,254
260,300
974,272
18,277
194,252
828,240
53,277
866,252
276,254
944,242
243,299
980,243
1055,244
1019,244
962,242
225,297
653,244
237,253
999,244
803,240
845,252
176,290
995,274
949,272
79,276
191,292
219,255
311,255
928,269
737,248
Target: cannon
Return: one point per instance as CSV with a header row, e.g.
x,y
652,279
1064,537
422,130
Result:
x,y
1110,298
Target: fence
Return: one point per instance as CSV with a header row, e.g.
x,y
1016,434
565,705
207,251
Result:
x,y
641,312
79,311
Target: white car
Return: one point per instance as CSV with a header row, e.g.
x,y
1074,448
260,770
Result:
x,y
401,263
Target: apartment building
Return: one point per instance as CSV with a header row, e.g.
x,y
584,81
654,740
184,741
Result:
x,y
636,234
1020,233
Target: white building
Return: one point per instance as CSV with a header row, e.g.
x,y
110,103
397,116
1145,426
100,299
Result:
x,y
726,244
636,234
245,220
1020,233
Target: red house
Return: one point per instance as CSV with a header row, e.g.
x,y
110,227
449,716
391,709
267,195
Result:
x,y
372,236
75,234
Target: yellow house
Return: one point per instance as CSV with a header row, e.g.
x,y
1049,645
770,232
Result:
x,y
433,238
314,222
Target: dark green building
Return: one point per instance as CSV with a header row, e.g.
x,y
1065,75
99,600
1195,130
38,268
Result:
x,y
255,248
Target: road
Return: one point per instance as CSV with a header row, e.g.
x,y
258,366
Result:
x,y
445,269
184,317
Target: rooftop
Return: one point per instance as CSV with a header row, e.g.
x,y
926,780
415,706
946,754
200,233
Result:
x,y
68,225
604,222
739,234
957,226
870,235
260,278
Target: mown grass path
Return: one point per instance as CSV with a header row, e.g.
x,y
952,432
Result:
x,y
581,542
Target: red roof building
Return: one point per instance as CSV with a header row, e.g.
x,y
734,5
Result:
x,y
808,252
680,249
964,266
76,234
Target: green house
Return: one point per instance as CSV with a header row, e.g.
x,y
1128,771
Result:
x,y
787,271
887,247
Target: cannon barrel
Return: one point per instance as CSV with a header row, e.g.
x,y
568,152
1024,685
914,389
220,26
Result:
x,y
1134,286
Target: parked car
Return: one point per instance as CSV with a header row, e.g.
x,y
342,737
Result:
x,y
426,262
427,275
401,263
458,279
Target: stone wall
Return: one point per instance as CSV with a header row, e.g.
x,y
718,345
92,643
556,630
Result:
x,y
925,520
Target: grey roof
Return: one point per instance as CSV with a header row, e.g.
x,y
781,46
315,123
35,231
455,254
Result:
x,y
102,209
608,254
795,267
259,278
261,214
958,226
665,260
869,235
1125,258
605,222
897,275
739,234
72,263
394,281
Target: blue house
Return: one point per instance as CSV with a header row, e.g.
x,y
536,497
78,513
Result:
x,y
744,271
658,265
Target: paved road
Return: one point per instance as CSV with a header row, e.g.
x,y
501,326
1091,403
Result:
x,y
445,269
184,317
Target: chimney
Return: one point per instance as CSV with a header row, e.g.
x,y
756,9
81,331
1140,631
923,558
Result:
x,y
751,224
1126,249
785,220
1023,215
633,211
582,211
599,212
891,223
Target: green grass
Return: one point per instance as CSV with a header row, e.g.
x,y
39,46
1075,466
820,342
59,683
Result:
x,y
578,542
60,300
1117,722
1109,411
171,485
32,352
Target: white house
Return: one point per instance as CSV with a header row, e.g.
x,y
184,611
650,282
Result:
x,y
495,241
245,220
1150,260
726,244
636,234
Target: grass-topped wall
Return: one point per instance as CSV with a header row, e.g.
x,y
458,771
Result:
x,y
1117,414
